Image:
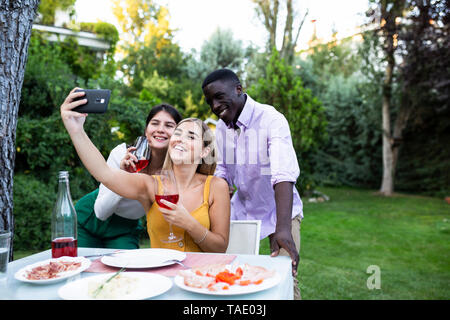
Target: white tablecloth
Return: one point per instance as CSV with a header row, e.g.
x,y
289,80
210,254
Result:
x,y
12,289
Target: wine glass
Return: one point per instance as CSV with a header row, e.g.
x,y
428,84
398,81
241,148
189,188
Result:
x,y
169,192
142,152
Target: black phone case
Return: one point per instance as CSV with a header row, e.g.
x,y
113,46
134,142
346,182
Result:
x,y
98,100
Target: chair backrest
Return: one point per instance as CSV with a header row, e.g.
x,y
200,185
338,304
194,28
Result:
x,y
244,236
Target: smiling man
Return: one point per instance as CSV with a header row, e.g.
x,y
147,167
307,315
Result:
x,y
256,156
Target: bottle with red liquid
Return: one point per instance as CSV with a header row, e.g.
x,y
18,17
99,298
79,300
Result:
x,y
64,221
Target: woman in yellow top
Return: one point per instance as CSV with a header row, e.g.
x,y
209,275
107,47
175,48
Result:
x,y
202,214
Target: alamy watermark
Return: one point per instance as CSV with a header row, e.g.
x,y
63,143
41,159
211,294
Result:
x,y
374,280
265,148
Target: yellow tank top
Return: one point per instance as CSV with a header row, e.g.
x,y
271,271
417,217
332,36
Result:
x,y
158,228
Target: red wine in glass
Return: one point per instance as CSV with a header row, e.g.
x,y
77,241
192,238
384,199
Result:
x,y
64,247
141,164
142,152
167,189
170,197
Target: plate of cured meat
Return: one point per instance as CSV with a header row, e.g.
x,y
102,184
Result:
x,y
223,279
52,270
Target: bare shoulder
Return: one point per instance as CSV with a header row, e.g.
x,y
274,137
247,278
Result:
x,y
219,184
219,198
219,191
216,182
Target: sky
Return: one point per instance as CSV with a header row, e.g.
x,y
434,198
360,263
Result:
x,y
196,20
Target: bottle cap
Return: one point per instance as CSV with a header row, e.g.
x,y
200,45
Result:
x,y
63,174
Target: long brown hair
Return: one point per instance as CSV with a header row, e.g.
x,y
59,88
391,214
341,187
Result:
x,y
209,162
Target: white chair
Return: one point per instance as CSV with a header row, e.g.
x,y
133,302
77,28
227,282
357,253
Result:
x,y
244,236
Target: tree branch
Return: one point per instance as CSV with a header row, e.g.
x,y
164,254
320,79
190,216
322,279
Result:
x,y
300,26
287,34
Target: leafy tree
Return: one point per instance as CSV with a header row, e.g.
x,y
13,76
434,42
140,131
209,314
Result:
x,y
221,50
386,13
351,155
153,65
109,33
147,41
269,12
424,87
140,63
141,21
47,9
409,34
349,83
344,76
332,58
302,110
83,61
155,88
255,66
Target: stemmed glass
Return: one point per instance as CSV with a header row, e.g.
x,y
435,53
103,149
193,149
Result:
x,y
168,192
142,152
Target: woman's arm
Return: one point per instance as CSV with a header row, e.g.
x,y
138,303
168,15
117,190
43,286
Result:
x,y
219,215
132,186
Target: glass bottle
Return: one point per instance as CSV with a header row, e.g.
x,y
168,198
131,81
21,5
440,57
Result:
x,y
64,221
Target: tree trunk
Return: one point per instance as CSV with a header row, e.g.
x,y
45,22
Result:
x,y
400,124
390,11
16,20
286,49
387,184
289,41
269,16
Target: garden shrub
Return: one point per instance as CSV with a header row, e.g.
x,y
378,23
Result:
x,y
33,205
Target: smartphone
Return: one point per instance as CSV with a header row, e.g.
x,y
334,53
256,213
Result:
x,y
98,100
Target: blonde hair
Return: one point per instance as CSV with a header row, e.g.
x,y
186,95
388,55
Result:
x,y
209,162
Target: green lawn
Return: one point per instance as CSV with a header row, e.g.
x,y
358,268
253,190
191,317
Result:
x,y
407,237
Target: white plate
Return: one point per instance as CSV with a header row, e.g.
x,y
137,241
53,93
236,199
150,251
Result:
x,y
234,289
149,285
143,258
22,273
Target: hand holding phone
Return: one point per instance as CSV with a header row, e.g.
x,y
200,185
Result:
x,y
98,100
